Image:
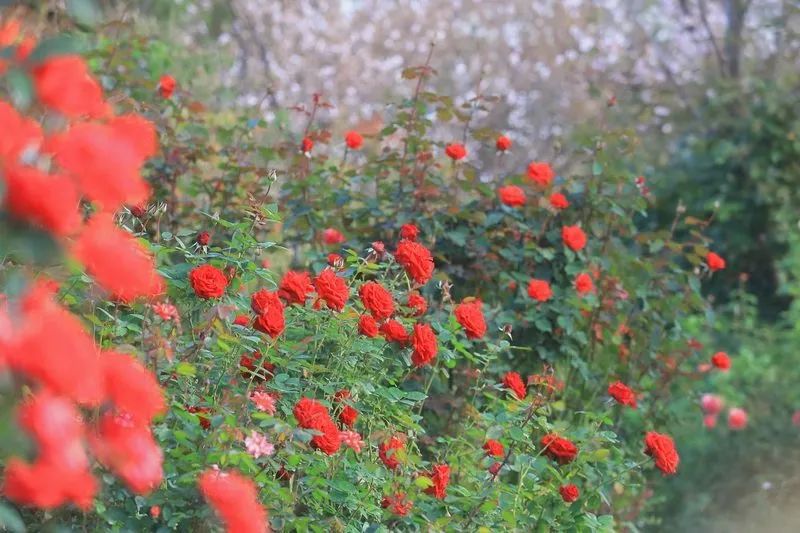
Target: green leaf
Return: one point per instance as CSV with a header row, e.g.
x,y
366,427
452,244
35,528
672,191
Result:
x,y
55,46
423,482
597,168
186,369
20,87
84,12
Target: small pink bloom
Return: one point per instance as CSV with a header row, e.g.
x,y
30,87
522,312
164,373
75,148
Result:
x,y
737,418
710,421
711,404
166,311
264,401
352,440
258,445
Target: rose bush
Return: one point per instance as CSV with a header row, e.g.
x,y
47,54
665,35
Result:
x,y
343,332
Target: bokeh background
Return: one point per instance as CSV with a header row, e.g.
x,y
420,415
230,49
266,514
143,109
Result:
x,y
708,90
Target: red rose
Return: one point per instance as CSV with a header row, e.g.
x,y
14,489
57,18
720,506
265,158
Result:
x,y
410,232
558,201
271,321
539,290
583,283
166,86
332,289
397,504
335,260
512,196
27,198
503,143
662,449
425,346
203,238
416,260
353,140
417,303
710,421
495,468
569,493
235,500
242,320
737,418
377,300
440,475
65,84
256,368
493,448
541,173
332,236
715,262
306,145
622,393
559,449
393,331
721,361
470,316
513,382
200,412
387,451
348,416
367,326
295,287
574,238
208,281
311,414
455,151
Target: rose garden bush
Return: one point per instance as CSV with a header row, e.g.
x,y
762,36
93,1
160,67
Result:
x,y
210,321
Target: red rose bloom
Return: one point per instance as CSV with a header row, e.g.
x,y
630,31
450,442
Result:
x,y
131,387
737,418
583,283
455,151
470,316
332,289
166,86
367,326
118,261
295,287
335,260
63,83
558,201
662,449
256,368
261,300
495,468
569,493
409,232
559,449
710,421
502,143
27,135
397,504
332,236
493,448
541,173
311,414
512,196
393,331
721,361
203,238
242,320
514,383
306,145
208,281
200,413
235,500
377,300
416,260
353,140
387,451
270,316
574,238
440,475
622,393
539,290
348,416
715,262
417,303
48,201
425,346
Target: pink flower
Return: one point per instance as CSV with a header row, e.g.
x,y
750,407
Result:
x,y
258,445
264,401
166,311
352,440
711,404
710,421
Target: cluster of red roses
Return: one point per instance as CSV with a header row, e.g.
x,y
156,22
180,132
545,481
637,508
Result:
x,y
81,153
